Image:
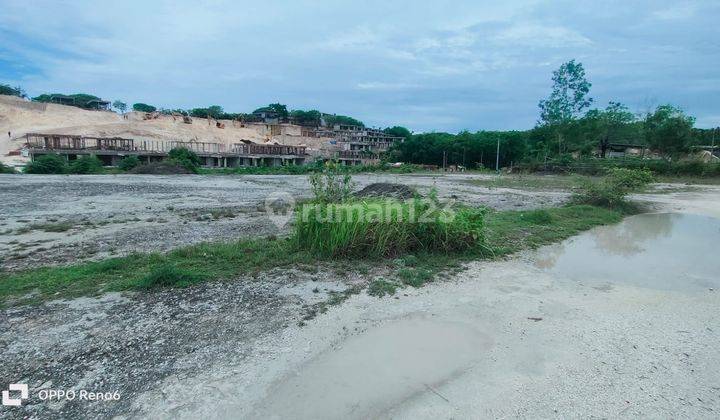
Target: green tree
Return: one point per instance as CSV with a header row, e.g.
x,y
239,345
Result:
x,y
141,107
120,106
668,130
307,118
12,91
398,131
614,124
568,99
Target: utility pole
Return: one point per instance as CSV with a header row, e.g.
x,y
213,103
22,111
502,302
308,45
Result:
x,y
497,157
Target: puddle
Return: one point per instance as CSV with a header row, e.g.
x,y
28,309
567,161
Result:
x,y
663,251
375,370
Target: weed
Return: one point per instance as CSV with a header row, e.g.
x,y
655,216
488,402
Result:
x,y
167,275
415,277
381,287
538,217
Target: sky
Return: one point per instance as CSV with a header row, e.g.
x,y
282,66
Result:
x,y
426,65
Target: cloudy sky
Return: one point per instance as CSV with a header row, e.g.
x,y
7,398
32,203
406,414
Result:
x,y
427,65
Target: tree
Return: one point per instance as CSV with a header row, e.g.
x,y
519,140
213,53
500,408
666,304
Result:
x,y
668,130
398,131
614,124
568,99
12,91
307,118
120,106
141,107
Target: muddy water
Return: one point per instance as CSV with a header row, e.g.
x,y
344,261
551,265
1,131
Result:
x,y
371,372
666,251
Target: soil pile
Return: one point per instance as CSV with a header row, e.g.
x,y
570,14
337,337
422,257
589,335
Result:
x,y
386,190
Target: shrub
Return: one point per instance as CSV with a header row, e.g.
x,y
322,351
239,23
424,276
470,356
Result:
x,y
129,162
386,228
331,185
167,275
185,158
47,164
612,189
4,169
88,164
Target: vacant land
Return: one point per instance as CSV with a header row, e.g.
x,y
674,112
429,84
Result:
x,y
225,348
61,219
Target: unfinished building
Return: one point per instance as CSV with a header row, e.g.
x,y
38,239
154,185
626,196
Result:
x,y
110,150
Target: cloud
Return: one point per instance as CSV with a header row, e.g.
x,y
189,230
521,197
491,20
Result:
x,y
475,65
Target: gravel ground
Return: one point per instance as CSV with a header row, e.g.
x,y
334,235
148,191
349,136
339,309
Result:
x,y
525,343
54,219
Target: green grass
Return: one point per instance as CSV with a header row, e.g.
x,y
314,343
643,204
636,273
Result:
x,y
384,228
505,232
381,287
530,182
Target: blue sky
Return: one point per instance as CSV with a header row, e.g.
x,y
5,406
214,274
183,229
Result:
x,y
427,65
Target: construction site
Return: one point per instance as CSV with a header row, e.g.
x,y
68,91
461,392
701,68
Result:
x,y
35,129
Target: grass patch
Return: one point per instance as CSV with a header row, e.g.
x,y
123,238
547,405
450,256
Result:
x,y
167,275
529,182
381,287
384,228
505,232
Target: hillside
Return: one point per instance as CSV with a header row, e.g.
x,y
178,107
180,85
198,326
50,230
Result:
x,y
19,117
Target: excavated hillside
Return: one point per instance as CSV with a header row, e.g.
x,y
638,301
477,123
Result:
x,y
19,116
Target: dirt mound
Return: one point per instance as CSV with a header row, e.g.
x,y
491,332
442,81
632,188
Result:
x,y
160,168
382,189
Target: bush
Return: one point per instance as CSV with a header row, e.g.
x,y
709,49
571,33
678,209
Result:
x,y
88,164
185,158
386,228
47,164
129,162
4,169
167,275
611,191
331,185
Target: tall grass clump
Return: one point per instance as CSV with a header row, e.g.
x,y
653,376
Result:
x,y
167,275
337,224
384,228
612,190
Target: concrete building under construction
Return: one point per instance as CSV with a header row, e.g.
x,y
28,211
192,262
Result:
x,y
110,150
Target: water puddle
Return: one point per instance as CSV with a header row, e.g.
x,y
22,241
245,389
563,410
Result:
x,y
663,251
375,370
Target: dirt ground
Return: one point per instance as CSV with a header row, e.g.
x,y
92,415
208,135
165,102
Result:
x,y
501,339
56,219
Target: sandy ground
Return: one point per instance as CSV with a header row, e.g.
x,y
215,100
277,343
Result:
x,y
513,338
114,215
